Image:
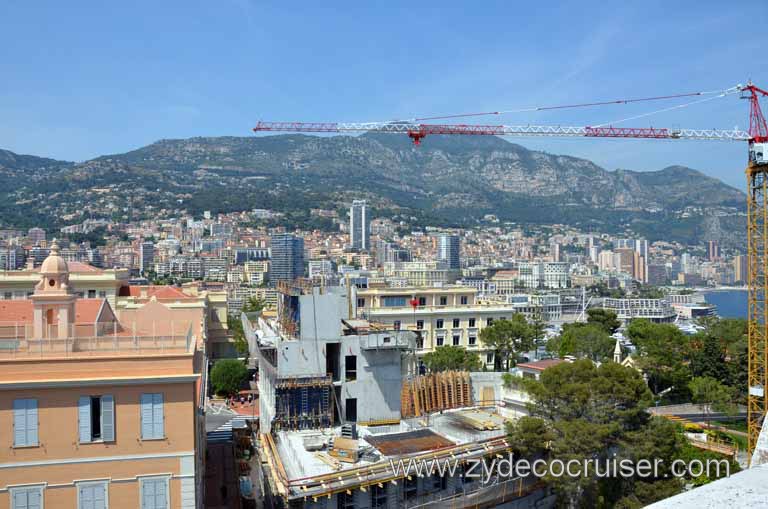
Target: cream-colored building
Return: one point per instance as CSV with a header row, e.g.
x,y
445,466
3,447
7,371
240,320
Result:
x,y
89,282
449,315
98,411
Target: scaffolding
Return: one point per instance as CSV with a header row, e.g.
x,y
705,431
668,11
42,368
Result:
x,y
303,403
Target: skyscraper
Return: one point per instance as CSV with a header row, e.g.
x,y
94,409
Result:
x,y
287,257
713,250
359,226
449,250
146,257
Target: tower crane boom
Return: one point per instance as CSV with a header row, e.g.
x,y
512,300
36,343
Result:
x,y
418,131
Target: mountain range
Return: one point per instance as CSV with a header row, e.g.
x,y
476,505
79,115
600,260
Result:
x,y
446,181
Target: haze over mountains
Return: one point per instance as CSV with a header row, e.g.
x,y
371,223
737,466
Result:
x,y
448,180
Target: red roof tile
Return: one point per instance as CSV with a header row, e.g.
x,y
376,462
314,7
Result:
x,y
160,292
541,365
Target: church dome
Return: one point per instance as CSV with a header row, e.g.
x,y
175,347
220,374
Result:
x,y
54,263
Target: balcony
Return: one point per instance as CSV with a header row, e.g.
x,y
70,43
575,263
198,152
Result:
x,y
388,340
18,342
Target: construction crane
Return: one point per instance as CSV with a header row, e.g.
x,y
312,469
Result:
x,y
757,195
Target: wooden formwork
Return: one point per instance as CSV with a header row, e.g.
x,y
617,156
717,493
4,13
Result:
x,y
437,391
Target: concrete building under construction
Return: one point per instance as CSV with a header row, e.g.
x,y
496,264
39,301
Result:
x,y
341,405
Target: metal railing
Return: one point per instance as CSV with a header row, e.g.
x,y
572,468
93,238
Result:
x,y
18,341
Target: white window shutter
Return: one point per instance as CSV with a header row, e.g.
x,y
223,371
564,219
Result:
x,y
34,499
146,416
20,500
148,494
19,422
32,422
84,419
157,418
161,495
108,418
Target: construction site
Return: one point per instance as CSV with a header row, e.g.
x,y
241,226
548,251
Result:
x,y
341,401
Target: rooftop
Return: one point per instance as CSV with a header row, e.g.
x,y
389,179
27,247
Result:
x,y
540,365
310,469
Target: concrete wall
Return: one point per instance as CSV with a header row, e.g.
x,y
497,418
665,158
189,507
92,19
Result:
x,y
378,384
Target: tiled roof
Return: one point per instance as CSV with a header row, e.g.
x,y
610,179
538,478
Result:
x,y
540,365
86,310
160,292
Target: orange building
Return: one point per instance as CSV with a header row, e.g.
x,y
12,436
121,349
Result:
x,y
98,412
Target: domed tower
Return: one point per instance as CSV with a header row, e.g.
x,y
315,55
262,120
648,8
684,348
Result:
x,y
53,300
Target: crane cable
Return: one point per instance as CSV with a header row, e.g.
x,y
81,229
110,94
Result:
x,y
720,93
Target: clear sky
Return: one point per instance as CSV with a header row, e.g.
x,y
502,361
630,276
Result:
x,y
87,78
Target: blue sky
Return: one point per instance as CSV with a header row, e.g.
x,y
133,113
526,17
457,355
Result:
x,y
88,78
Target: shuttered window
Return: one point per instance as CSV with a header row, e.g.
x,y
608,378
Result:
x,y
154,493
25,422
96,418
26,498
152,416
92,496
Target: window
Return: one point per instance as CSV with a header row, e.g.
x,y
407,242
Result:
x,y
489,321
456,323
456,340
102,294
420,342
25,423
345,500
92,495
419,324
440,340
394,301
422,301
27,497
464,300
472,340
471,322
439,483
8,295
91,294
152,416
411,487
350,367
361,303
154,493
439,323
443,300
378,496
397,324
489,358
96,418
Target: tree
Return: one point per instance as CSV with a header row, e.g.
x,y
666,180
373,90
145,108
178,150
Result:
x,y
238,336
588,340
605,318
663,354
508,339
227,376
585,411
710,395
449,357
253,304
